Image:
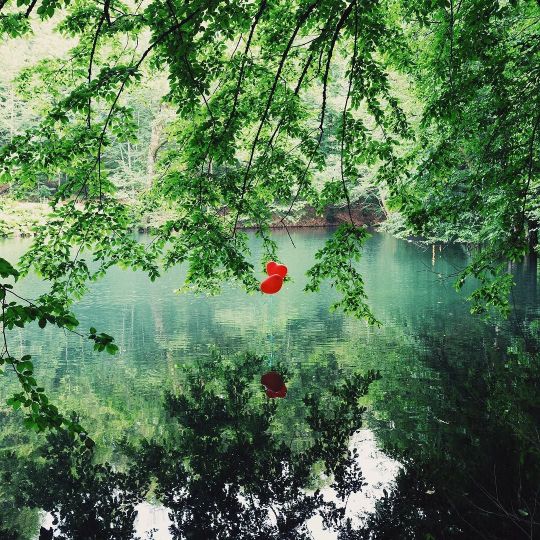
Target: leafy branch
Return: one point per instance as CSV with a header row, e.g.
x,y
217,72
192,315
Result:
x,y
40,413
336,262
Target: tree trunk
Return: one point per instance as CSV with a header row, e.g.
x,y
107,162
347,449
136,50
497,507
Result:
x,y
382,195
130,164
12,114
156,140
532,226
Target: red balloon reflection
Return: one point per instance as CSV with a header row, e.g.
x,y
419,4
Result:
x,y
274,385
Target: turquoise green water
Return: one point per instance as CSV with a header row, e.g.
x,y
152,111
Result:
x,y
450,394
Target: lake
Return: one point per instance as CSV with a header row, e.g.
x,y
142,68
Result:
x,y
426,427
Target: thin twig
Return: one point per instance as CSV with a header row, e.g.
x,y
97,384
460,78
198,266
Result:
x,y
301,20
344,121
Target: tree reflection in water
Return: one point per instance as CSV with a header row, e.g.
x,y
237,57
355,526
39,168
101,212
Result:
x,y
229,463
223,466
471,466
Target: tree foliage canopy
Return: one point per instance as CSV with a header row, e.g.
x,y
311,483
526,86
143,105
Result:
x,y
250,84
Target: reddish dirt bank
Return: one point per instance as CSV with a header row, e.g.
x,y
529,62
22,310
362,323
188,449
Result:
x,y
18,219
332,216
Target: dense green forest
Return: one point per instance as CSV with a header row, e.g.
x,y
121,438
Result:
x,y
199,120
218,111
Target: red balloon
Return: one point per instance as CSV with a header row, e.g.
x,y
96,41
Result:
x,y
272,381
281,393
273,267
272,284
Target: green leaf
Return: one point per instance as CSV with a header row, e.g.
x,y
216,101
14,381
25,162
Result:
x,y
112,348
7,270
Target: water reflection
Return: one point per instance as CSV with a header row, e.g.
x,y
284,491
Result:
x,y
223,465
190,433
230,463
469,444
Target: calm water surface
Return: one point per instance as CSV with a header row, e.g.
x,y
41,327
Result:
x,y
448,445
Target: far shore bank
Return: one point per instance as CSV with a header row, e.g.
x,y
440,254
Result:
x,y
19,218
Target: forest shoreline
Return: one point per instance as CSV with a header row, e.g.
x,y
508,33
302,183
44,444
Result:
x,y
18,218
